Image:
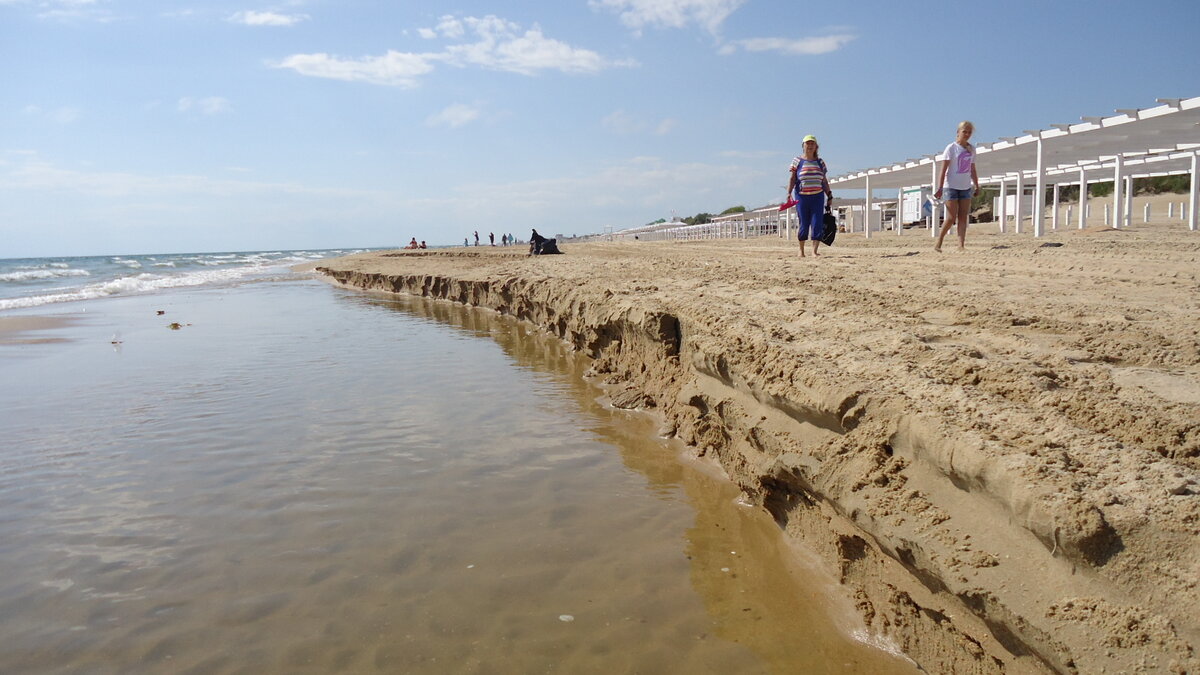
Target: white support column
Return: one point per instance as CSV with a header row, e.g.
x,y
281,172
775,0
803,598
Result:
x,y
867,210
1118,192
1039,194
1054,213
1193,194
935,210
1127,218
1146,213
899,211
1083,198
1003,205
1018,208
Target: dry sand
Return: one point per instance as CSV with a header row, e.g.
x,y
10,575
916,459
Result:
x,y
998,450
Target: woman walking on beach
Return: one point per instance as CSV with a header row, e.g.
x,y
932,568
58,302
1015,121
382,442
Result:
x,y
958,176
809,186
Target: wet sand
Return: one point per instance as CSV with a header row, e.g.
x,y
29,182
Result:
x,y
32,329
997,449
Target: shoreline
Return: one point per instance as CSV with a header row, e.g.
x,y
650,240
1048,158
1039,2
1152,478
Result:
x,y
998,450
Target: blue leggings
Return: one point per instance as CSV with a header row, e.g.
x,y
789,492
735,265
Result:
x,y
811,210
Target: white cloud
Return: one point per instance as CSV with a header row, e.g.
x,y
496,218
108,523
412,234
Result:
x,y
634,191
396,69
44,176
751,154
65,10
624,124
638,14
453,116
621,122
62,115
499,45
450,27
212,105
801,46
253,18
501,48
65,115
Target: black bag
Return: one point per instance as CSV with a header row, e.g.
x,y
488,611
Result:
x,y
828,229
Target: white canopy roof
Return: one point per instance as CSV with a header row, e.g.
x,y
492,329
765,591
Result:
x,y
1155,141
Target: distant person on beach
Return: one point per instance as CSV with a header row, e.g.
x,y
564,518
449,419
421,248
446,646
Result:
x,y
466,242
492,238
535,243
476,237
412,244
808,185
958,176
423,244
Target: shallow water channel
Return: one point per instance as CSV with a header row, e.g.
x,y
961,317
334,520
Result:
x,y
307,479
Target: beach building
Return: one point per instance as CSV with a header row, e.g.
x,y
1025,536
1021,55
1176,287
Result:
x,y
1135,143
766,220
1028,171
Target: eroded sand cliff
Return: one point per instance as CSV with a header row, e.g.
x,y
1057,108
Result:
x,y
998,449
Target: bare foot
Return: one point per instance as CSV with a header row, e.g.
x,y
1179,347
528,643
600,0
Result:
x,y
938,248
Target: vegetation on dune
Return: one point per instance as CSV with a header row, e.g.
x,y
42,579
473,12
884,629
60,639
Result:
x,y
701,218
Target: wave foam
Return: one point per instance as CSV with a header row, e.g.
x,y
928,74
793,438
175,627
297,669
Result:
x,y
39,274
141,283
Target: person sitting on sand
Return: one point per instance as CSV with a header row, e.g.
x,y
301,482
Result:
x,y
958,174
423,243
535,243
412,244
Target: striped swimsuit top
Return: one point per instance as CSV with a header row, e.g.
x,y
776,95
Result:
x,y
810,176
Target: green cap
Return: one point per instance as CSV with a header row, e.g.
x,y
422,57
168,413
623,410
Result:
x,y
808,138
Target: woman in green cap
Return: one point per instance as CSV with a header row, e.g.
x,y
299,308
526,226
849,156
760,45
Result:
x,y
809,186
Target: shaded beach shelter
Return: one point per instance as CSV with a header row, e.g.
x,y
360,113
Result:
x,y
1135,143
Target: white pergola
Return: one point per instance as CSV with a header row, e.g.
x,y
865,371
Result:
x,y
1134,143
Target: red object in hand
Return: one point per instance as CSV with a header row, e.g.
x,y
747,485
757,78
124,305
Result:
x,y
788,204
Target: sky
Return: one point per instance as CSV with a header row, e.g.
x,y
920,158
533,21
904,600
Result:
x,y
159,126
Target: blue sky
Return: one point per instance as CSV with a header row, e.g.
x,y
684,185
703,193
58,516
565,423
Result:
x,y
131,126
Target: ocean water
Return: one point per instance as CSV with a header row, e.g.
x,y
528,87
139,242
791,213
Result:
x,y
31,282
297,478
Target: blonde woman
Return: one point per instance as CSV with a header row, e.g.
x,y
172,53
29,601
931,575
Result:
x,y
958,177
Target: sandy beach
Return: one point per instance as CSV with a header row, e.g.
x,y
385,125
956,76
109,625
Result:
x,y
997,451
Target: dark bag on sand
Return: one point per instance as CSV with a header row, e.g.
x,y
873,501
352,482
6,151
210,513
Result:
x,y
549,247
828,229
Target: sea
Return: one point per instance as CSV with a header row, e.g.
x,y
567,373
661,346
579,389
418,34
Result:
x,y
212,463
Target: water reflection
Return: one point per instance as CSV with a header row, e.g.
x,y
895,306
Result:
x,y
313,480
759,591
